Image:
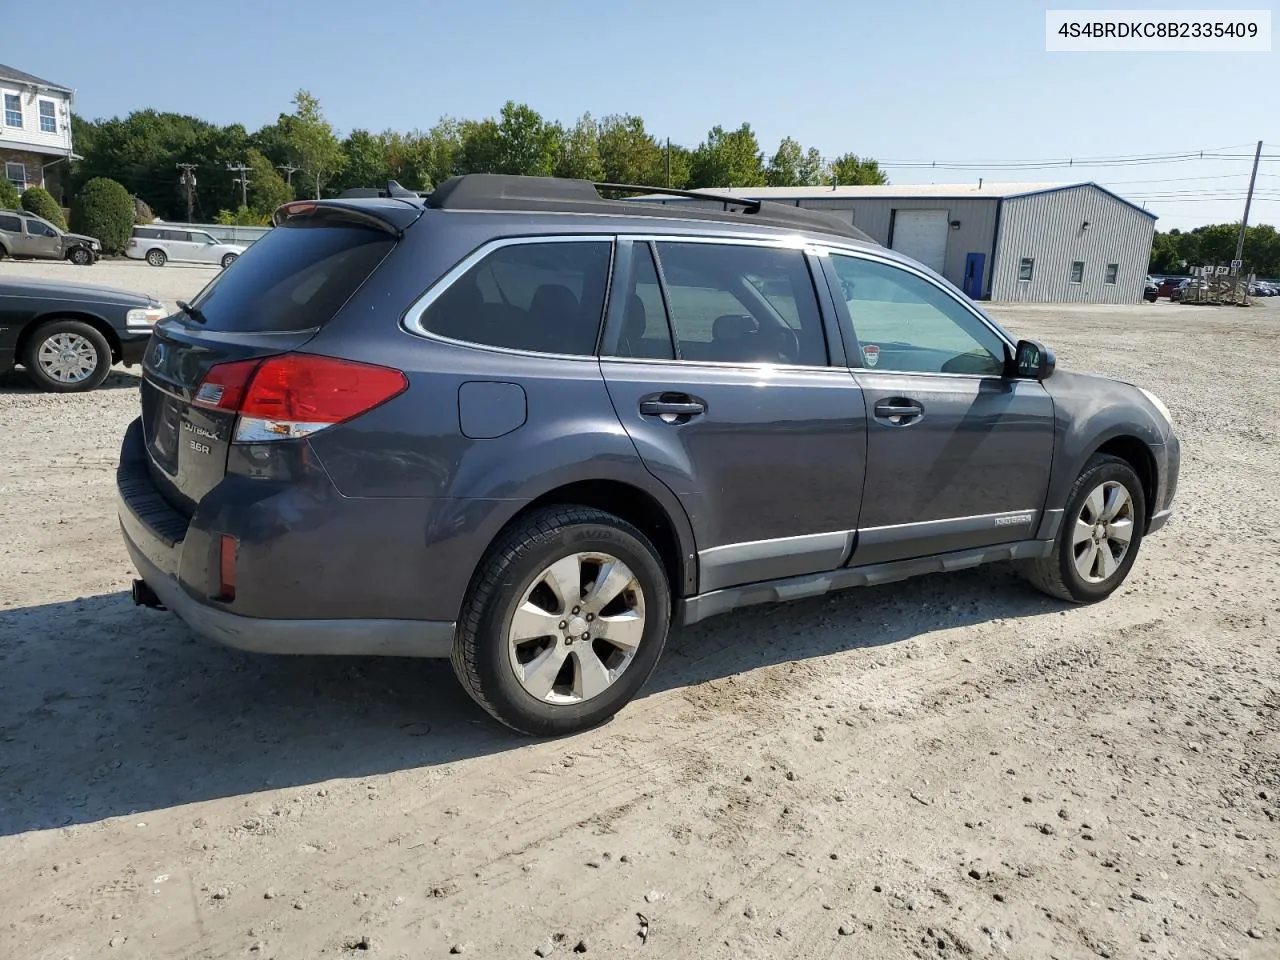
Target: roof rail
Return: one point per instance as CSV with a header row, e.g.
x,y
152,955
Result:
x,y
748,205
492,192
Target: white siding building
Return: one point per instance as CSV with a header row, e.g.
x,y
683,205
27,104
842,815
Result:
x,y
1000,241
35,132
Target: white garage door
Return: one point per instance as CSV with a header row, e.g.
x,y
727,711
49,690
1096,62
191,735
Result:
x,y
921,234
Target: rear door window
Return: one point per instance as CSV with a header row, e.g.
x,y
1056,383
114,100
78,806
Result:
x,y
742,303
543,296
11,224
294,278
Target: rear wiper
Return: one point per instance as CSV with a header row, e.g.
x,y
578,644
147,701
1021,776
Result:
x,y
193,312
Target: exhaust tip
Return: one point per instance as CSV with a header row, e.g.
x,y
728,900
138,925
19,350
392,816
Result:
x,y
144,596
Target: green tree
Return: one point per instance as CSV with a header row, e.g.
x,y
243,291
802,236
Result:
x,y
267,189
728,158
1164,254
628,153
311,143
103,209
9,199
851,170
481,147
40,201
366,161
439,152
527,145
793,166
580,151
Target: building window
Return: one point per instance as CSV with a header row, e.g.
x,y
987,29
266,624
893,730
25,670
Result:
x,y
16,173
12,110
1113,269
1077,271
48,119
1026,268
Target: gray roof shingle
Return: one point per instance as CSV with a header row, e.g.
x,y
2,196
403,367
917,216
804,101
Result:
x,y
10,73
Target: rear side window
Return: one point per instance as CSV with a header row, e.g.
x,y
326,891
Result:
x,y
741,303
294,278
542,296
12,224
146,233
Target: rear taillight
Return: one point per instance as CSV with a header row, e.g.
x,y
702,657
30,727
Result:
x,y
296,394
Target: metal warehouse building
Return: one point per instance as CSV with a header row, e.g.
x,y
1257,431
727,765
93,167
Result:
x,y
1000,241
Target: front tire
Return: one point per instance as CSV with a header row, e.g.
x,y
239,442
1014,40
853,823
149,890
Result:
x,y
228,260
1099,537
157,258
81,257
67,356
564,623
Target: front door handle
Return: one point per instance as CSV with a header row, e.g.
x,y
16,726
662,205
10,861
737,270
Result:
x,y
899,411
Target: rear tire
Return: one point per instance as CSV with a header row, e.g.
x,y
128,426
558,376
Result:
x,y
157,258
1091,556
228,260
574,676
67,356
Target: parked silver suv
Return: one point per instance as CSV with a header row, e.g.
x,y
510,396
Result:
x,y
159,244
25,235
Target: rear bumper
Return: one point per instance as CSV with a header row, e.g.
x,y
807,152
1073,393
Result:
x,y
378,638
172,554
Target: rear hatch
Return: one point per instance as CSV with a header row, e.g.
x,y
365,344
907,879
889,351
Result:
x,y
272,300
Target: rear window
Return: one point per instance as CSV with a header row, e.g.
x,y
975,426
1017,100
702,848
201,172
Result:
x,y
295,278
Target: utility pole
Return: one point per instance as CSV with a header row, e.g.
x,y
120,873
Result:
x,y
1244,222
243,180
289,170
668,162
188,183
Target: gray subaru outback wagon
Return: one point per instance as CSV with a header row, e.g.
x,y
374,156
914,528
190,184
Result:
x,y
532,429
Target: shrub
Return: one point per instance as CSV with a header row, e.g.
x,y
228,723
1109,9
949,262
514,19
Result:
x,y
142,213
104,209
40,201
8,196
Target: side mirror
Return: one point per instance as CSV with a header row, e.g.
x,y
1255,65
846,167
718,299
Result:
x,y
1033,360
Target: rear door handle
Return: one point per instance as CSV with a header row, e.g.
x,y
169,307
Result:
x,y
898,411
671,408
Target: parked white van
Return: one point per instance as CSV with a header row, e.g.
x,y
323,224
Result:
x,y
158,245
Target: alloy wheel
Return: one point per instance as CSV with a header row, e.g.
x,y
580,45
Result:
x,y
1103,532
577,628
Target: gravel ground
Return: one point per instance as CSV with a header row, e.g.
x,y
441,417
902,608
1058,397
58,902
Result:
x,y
955,765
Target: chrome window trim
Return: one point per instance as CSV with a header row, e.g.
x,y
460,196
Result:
x,y
411,322
827,249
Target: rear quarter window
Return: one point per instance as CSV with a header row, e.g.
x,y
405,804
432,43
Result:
x,y
539,296
294,278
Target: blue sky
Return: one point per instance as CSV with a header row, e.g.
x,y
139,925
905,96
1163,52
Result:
x,y
900,81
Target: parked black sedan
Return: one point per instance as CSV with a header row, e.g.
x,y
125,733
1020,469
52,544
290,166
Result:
x,y
67,335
